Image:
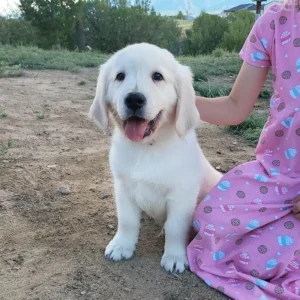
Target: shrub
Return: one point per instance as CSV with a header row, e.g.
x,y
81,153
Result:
x,y
240,24
206,34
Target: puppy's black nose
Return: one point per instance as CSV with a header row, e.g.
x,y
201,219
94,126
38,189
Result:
x,y
135,101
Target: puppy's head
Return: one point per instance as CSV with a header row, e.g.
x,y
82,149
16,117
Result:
x,y
143,87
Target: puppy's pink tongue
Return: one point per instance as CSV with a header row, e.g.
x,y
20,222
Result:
x,y
135,129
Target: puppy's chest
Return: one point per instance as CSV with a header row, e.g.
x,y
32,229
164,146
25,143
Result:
x,y
151,198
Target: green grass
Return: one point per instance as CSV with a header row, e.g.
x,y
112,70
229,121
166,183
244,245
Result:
x,y
4,146
221,63
206,89
250,129
208,65
7,70
38,59
4,115
211,90
40,116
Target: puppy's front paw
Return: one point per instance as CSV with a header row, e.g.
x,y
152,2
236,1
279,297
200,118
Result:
x,y
119,248
174,262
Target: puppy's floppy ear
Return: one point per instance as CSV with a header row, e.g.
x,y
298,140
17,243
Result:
x,y
187,115
98,110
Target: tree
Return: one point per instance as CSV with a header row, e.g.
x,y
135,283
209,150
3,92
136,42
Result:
x,y
17,31
55,20
112,27
240,24
106,25
206,34
180,16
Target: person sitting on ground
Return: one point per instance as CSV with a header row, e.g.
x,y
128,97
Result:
x,y
248,237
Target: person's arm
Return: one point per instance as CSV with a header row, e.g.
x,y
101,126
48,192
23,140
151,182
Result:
x,y
234,108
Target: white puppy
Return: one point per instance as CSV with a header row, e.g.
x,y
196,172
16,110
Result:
x,y
155,159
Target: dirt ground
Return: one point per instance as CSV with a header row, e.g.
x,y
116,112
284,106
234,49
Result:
x,y
52,244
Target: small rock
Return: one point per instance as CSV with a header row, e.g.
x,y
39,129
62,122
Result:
x,y
218,168
83,293
126,289
64,190
104,196
110,226
52,166
234,143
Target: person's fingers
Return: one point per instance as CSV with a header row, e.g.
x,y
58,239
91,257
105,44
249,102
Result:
x,y
296,208
297,216
297,199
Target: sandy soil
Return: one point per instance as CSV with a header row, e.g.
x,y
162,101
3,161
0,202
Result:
x,y
51,244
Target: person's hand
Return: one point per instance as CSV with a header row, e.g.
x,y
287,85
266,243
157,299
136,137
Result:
x,y
296,209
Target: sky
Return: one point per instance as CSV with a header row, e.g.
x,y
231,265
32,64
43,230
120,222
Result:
x,y
162,6
196,6
7,6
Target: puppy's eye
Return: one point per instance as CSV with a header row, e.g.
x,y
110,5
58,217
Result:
x,y
157,76
120,76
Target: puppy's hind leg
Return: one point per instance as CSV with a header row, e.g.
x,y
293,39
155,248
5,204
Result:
x,y
123,244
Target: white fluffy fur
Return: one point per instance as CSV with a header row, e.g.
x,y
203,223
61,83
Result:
x,y
164,173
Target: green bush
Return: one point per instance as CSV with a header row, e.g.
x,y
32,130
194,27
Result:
x,y
218,52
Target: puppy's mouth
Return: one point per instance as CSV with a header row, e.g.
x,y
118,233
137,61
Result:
x,y
137,128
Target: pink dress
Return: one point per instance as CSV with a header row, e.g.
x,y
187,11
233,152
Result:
x,y
248,241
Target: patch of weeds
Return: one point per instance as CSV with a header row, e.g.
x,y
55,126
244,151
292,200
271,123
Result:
x,y
200,77
91,97
10,70
266,93
211,91
40,115
219,52
82,82
91,78
205,89
210,65
4,115
250,129
39,59
4,146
